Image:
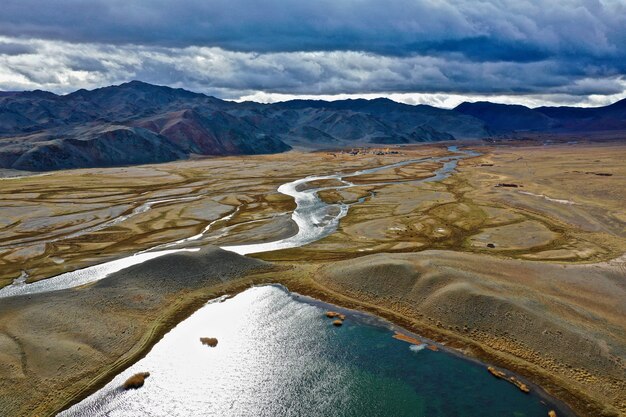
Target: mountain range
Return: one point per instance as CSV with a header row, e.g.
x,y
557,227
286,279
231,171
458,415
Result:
x,y
504,118
137,122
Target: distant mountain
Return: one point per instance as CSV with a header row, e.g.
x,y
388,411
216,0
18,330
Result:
x,y
381,121
211,133
101,145
137,122
132,123
507,118
31,111
612,117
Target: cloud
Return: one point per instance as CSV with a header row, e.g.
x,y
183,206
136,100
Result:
x,y
445,100
570,50
512,30
13,48
63,67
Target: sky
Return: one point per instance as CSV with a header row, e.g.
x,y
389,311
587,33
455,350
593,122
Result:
x,y
438,52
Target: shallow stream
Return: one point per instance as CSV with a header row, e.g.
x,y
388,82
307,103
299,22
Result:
x,y
315,220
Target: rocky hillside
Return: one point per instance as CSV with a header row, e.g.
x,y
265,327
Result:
x,y
138,122
503,118
107,145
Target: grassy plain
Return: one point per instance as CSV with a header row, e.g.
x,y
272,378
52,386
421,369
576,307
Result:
x,y
516,259
65,220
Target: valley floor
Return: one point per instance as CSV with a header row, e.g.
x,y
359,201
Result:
x,y
517,259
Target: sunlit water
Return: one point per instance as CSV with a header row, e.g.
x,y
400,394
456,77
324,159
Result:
x,y
315,220
83,276
278,355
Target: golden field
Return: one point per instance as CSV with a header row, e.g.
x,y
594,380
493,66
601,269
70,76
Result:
x,y
516,259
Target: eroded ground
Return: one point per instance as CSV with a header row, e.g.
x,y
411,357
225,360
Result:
x,y
542,203
514,259
65,220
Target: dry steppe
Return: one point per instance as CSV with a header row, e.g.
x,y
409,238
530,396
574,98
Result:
x,y
516,259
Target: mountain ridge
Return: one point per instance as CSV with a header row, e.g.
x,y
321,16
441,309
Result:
x,y
512,117
41,131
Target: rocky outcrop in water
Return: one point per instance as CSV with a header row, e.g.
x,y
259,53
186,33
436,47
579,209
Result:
x,y
339,318
334,314
136,381
501,375
208,341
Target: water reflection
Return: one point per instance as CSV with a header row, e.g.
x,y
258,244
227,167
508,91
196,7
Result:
x,y
278,356
315,220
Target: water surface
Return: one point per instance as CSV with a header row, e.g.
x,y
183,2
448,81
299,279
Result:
x,y
278,355
315,220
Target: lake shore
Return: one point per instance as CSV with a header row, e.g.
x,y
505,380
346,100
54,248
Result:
x,y
391,310
448,260
154,309
255,332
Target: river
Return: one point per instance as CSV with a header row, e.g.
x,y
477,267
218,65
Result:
x,y
315,220
278,355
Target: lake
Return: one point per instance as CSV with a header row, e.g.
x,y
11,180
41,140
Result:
x,y
279,355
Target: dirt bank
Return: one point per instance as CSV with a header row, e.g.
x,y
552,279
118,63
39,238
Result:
x,y
560,325
539,320
57,347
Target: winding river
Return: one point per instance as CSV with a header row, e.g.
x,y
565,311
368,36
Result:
x,y
315,219
279,355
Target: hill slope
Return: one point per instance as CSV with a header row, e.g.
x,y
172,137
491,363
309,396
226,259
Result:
x,y
507,118
138,122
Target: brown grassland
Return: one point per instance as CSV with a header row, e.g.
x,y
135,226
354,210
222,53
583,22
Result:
x,y
531,277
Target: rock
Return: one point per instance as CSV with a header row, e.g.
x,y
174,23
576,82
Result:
x,y
136,381
337,323
507,184
498,374
519,384
432,347
405,338
208,341
334,314
601,174
491,245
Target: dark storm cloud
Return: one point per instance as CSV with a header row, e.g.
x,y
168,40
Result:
x,y
12,48
230,48
487,30
232,74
